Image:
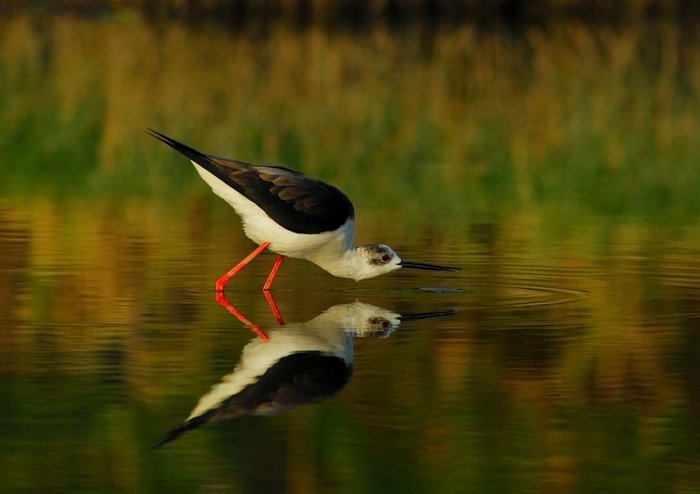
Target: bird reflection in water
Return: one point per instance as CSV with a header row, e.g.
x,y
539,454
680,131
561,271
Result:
x,y
293,365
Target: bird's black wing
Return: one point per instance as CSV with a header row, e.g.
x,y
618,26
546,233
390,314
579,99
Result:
x,y
293,200
294,380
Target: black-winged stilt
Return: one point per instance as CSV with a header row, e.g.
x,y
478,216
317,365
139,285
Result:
x,y
302,363
294,216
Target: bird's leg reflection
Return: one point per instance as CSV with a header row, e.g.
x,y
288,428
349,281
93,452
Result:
x,y
223,301
302,363
273,304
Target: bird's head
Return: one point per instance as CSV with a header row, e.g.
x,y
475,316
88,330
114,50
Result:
x,y
379,259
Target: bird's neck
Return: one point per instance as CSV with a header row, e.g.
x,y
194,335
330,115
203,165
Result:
x,y
350,264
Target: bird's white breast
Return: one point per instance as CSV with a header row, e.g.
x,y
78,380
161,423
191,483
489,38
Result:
x,y
259,356
259,227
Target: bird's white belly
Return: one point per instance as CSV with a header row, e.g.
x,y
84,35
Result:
x,y
259,227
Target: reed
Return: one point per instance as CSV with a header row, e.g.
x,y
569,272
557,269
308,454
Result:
x,y
596,120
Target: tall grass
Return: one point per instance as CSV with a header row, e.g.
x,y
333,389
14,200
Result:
x,y
573,116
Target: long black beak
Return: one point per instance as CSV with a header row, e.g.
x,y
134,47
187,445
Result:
x,y
422,265
427,315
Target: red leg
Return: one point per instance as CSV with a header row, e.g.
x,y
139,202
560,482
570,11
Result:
x,y
273,273
223,301
221,282
273,307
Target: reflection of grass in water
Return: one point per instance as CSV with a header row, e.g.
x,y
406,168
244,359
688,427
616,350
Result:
x,y
575,120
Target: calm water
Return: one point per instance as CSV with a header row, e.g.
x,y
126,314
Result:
x,y
563,357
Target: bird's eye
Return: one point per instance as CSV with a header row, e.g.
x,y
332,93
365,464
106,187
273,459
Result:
x,y
386,258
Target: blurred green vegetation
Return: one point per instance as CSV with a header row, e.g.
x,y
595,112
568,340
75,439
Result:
x,y
572,117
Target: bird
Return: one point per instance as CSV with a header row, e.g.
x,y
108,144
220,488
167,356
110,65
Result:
x,y
293,215
300,364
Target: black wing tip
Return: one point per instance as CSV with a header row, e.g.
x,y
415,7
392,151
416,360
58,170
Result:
x,y
191,153
170,436
182,428
167,140
157,135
